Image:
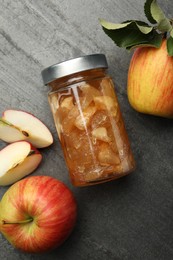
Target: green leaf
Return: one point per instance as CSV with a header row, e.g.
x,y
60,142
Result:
x,y
171,33
170,46
144,29
155,15
147,10
164,26
158,15
131,34
154,42
113,26
142,26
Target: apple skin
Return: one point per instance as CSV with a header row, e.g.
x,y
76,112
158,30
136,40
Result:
x,y
150,81
48,206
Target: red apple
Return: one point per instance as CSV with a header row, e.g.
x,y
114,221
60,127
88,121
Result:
x,y
150,81
37,214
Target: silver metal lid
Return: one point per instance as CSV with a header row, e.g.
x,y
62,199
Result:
x,y
65,68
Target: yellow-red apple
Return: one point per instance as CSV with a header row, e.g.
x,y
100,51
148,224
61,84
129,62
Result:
x,y
37,214
150,81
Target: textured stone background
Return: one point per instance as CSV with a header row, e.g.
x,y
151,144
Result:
x,y
128,219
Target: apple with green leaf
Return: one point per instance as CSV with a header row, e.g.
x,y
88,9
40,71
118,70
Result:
x,y
16,125
17,160
37,214
150,75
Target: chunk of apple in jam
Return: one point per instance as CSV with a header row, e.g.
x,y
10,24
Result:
x,y
107,88
88,94
68,120
67,103
106,156
100,119
83,119
101,134
107,103
89,90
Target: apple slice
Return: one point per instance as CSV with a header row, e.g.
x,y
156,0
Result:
x,y
8,130
17,160
18,125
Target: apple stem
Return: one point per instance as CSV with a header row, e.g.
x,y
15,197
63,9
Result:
x,y
4,222
164,35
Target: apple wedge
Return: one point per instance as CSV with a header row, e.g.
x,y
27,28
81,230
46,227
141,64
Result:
x,y
16,161
18,125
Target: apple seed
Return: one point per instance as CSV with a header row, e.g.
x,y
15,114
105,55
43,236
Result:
x,y
25,133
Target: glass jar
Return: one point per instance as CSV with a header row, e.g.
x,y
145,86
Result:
x,y
88,120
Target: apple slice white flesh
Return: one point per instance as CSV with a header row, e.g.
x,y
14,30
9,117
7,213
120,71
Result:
x,y
16,162
19,125
10,133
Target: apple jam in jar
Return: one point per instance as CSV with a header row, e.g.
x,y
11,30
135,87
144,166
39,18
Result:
x,y
88,120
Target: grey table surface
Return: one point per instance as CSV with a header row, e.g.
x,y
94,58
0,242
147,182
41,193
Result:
x,y
131,218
